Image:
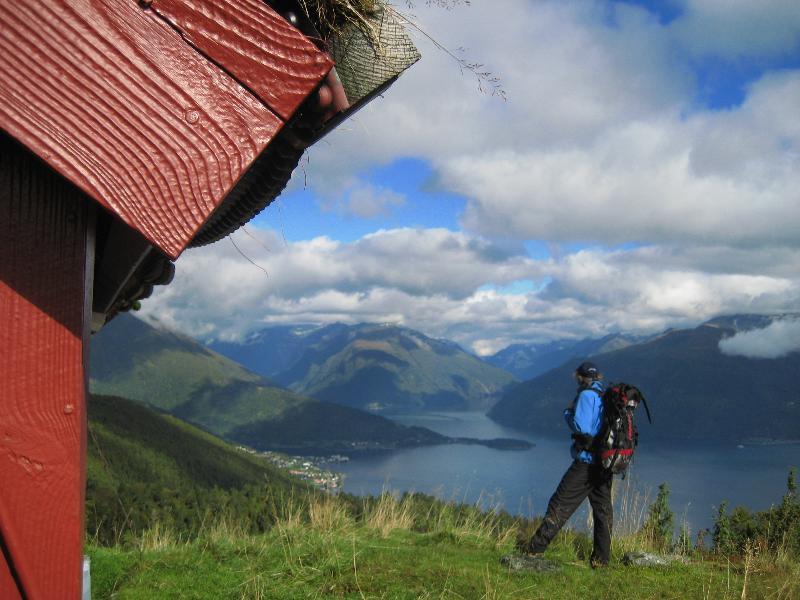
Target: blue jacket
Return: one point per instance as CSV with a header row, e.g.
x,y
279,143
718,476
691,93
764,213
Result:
x,y
586,417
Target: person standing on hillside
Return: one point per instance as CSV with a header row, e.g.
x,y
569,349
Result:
x,y
584,477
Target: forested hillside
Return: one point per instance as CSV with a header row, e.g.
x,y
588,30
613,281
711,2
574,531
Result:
x,y
146,466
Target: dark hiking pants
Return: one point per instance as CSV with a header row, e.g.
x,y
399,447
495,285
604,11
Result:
x,y
580,480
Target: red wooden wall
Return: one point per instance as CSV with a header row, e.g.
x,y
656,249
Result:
x,y
46,250
153,109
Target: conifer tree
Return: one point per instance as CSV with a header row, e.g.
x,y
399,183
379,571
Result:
x,y
723,535
661,520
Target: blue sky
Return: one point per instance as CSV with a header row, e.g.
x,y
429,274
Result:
x,y
722,82
302,214
655,143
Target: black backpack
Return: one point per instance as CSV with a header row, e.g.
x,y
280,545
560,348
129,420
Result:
x,y
618,437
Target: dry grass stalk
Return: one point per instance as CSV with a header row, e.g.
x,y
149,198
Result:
x,y
749,559
389,514
225,529
328,514
158,537
332,16
289,512
487,81
255,588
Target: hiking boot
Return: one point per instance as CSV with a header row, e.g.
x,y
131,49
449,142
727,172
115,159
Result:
x,y
528,550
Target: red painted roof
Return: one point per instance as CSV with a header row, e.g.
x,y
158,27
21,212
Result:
x,y
154,112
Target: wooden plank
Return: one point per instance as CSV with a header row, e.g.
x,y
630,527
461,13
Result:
x,y
45,261
254,44
115,100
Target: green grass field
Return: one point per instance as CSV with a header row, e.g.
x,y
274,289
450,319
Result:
x,y
411,548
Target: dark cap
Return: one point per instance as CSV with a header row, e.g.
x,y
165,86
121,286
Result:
x,y
588,369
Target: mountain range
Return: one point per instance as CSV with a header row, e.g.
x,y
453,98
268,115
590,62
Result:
x,y
175,373
172,372
371,366
274,349
693,389
526,361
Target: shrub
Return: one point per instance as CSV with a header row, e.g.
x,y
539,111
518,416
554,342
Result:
x,y
776,529
660,523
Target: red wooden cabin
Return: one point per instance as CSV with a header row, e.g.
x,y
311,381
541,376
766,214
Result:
x,y
130,130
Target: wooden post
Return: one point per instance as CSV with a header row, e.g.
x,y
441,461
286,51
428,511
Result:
x,y
46,254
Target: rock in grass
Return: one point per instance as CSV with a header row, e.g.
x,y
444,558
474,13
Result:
x,y
529,563
645,559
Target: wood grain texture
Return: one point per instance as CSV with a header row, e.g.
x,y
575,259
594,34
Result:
x,y
115,100
258,47
43,265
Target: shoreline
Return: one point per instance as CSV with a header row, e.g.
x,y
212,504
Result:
x,y
768,442
358,448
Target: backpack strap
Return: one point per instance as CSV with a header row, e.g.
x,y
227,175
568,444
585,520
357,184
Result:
x,y
644,401
583,441
646,408
597,390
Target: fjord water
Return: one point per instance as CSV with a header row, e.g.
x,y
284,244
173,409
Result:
x,y
700,476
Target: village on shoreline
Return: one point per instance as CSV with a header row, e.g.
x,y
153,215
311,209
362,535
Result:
x,y
306,468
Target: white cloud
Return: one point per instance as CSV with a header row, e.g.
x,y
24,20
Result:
x,y
600,142
709,179
600,138
568,79
436,281
774,341
322,277
758,142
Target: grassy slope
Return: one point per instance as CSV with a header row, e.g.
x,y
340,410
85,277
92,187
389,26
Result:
x,y
357,561
145,465
136,439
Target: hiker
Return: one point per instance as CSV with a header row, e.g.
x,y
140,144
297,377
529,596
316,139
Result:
x,y
584,477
